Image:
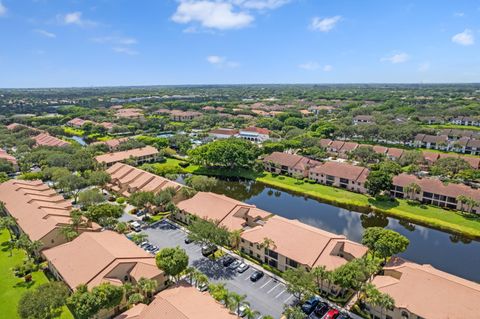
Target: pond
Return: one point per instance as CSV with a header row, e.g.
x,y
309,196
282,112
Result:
x,y
450,253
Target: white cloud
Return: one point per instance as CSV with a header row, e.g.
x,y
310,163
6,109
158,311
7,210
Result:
x,y
396,58
45,33
261,4
459,14
324,24
327,68
221,61
424,67
3,9
312,66
212,14
75,18
125,50
115,40
464,38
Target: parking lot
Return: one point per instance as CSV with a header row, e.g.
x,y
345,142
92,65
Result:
x,y
267,295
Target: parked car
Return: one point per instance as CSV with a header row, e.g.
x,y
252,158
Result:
x,y
203,287
256,276
331,314
344,316
227,260
207,250
142,244
235,264
321,310
140,213
309,306
188,240
242,267
241,310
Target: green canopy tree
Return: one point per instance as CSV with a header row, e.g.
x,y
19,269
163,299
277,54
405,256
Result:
x,y
173,261
45,301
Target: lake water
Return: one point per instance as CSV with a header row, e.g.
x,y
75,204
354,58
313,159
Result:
x,y
450,253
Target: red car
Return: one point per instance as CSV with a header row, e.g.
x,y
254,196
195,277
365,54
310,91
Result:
x,y
331,314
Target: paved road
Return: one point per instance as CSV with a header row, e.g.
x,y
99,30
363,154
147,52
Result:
x,y
267,295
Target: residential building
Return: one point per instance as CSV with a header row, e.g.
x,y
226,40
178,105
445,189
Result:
x,y
184,116
97,257
129,113
435,192
138,155
341,175
363,119
113,143
297,245
465,120
223,210
431,120
438,142
181,301
254,134
39,211
325,142
45,139
223,133
126,180
422,291
395,153
321,108
379,149
9,158
288,164
77,122
346,148
107,125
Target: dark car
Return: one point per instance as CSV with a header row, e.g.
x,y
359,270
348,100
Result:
x,y
207,250
321,310
256,276
309,306
343,316
227,261
188,240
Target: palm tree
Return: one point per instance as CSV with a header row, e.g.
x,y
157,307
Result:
x,y
201,279
293,312
218,291
412,189
3,211
251,314
268,243
68,232
462,199
76,220
191,273
236,301
471,203
235,238
320,274
8,222
147,287
385,302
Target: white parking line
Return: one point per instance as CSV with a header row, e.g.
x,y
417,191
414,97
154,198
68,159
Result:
x,y
288,299
280,294
273,288
265,283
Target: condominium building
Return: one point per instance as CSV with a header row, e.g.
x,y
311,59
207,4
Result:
x,y
138,155
340,175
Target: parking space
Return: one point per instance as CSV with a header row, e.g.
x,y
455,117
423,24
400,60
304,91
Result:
x,y
267,295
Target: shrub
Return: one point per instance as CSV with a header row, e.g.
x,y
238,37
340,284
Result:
x,y
121,200
184,164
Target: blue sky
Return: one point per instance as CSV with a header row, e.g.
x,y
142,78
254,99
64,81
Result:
x,y
46,43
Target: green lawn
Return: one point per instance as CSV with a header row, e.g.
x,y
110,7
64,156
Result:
x,y
11,287
436,217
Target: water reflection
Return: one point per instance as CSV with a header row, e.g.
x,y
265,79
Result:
x,y
451,253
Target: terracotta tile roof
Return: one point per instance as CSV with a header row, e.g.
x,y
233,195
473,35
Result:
x,y
123,155
91,258
429,292
342,170
430,157
129,179
395,152
305,244
224,131
179,302
78,121
4,155
348,146
37,208
380,149
336,145
113,143
434,185
45,139
324,142
225,210
258,130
